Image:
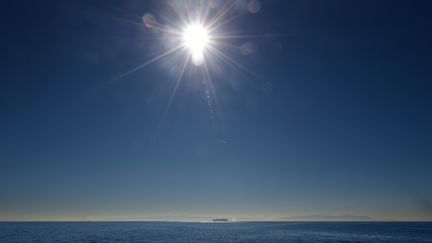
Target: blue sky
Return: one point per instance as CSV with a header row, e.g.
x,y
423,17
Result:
x,y
335,119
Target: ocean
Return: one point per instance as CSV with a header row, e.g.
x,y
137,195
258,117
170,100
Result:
x,y
215,232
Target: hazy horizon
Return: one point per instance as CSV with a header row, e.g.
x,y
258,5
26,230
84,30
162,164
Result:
x,y
195,218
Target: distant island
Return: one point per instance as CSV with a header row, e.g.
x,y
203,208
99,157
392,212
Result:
x,y
220,220
326,218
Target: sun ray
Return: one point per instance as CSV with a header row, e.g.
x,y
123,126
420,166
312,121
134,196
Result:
x,y
180,14
227,21
176,85
245,36
166,53
231,61
225,44
207,11
224,10
196,28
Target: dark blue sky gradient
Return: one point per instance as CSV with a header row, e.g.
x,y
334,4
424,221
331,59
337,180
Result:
x,y
336,121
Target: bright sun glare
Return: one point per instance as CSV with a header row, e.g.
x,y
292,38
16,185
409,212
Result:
x,y
195,38
194,34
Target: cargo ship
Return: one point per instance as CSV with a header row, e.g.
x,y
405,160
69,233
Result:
x,y
220,220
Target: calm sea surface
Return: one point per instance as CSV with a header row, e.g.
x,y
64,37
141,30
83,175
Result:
x,y
215,232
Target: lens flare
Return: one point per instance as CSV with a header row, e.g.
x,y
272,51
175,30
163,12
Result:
x,y
196,32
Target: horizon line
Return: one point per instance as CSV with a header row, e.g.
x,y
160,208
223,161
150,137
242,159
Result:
x,y
210,221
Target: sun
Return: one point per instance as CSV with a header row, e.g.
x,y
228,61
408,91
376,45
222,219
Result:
x,y
193,33
196,39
